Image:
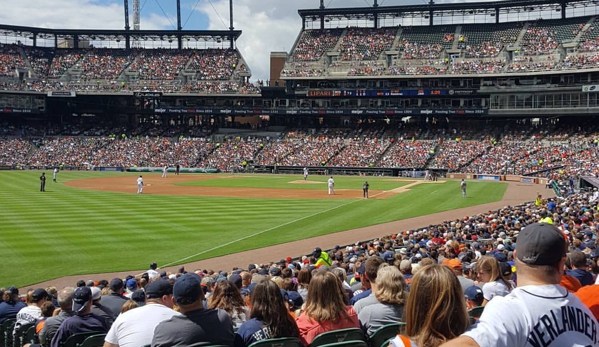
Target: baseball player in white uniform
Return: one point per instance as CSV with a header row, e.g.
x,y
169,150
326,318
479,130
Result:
x,y
164,171
140,184
54,174
305,173
331,184
539,312
463,186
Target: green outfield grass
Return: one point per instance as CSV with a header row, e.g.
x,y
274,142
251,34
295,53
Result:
x,y
68,231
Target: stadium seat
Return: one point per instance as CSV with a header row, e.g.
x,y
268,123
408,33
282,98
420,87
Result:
x,y
19,336
280,342
382,335
77,339
96,340
341,335
475,312
350,343
30,336
6,332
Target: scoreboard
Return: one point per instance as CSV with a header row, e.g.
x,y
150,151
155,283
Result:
x,y
374,93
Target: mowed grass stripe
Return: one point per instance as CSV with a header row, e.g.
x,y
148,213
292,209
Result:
x,y
68,231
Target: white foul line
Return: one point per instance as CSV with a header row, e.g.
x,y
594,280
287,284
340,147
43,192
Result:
x,y
261,232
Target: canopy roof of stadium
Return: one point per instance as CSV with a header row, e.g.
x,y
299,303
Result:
x,y
34,33
446,9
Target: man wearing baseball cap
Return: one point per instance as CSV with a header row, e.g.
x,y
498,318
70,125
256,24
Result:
x,y
32,312
539,312
84,321
195,324
135,328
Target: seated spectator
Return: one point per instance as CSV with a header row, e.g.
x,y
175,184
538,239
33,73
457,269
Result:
x,y
390,292
495,283
31,313
135,328
10,305
270,317
227,296
326,308
47,312
195,324
65,304
115,300
579,270
435,310
540,311
367,297
474,297
83,321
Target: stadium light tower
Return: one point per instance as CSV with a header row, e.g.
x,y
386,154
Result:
x,y
135,14
126,7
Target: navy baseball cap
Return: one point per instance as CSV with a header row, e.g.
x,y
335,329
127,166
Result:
x,y
39,294
474,293
81,298
159,288
139,296
187,289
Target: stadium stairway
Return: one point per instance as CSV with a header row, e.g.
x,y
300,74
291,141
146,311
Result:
x,y
336,48
428,161
487,149
521,35
397,38
456,38
585,28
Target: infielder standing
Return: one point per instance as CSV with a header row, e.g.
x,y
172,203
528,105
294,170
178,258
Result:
x,y
331,183
54,174
164,171
140,184
305,173
365,188
463,185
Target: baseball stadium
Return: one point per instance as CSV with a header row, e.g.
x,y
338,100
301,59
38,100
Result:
x,y
400,132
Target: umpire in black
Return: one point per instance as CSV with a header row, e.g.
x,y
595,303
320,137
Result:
x,y
43,182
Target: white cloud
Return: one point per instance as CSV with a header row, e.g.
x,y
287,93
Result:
x,y
73,14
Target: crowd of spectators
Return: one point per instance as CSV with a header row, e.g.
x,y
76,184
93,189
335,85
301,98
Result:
x,y
14,151
232,154
214,64
366,43
10,60
477,66
534,152
103,64
159,64
302,69
362,150
408,153
455,153
539,40
209,71
420,50
436,68
313,44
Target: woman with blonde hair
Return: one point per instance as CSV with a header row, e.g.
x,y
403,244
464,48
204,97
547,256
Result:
x,y
390,291
495,283
228,297
435,311
325,308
